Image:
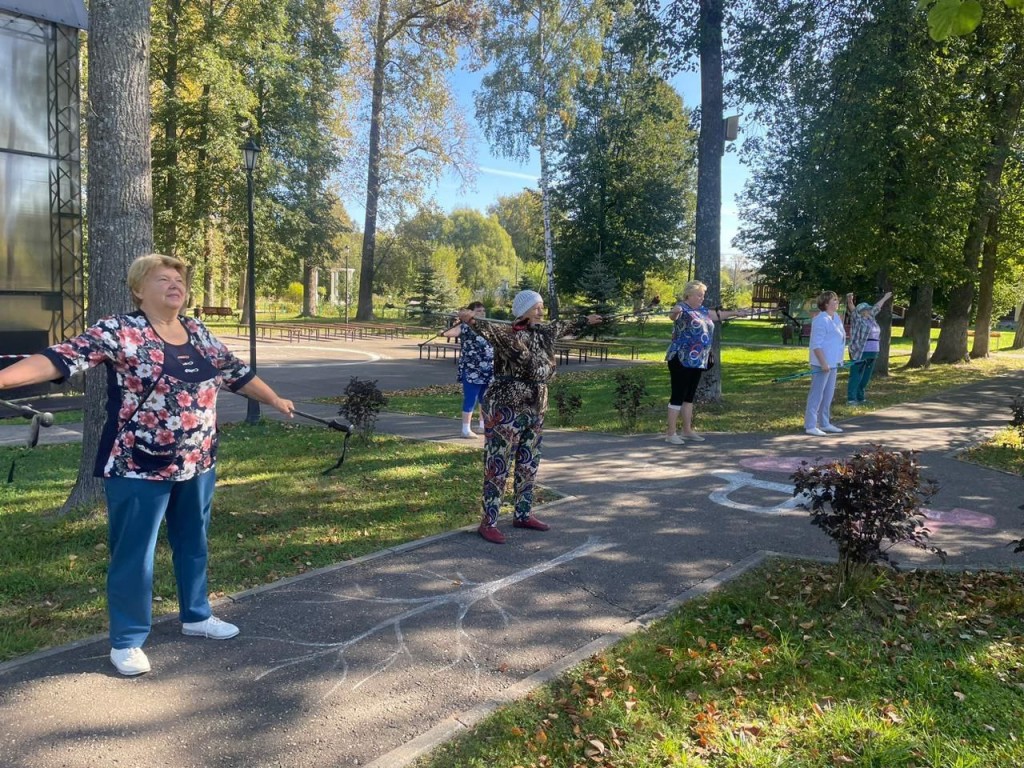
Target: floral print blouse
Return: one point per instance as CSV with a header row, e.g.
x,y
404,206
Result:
x,y
161,398
476,361
524,361
692,334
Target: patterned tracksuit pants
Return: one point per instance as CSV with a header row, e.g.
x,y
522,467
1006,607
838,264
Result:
x,y
510,437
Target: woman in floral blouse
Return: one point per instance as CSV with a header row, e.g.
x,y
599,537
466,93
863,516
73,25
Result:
x,y
514,405
689,355
158,448
476,368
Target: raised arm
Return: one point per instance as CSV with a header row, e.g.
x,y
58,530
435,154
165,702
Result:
x,y
881,302
850,306
454,332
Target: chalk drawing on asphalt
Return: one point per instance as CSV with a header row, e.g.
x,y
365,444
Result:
x,y
935,518
737,480
466,595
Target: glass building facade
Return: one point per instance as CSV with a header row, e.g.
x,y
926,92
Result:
x,y
41,262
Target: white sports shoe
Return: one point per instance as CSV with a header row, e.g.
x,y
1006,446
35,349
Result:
x,y
129,661
833,429
212,628
815,431
675,440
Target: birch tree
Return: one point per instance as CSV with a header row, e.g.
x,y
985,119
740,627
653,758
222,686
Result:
x,y
403,53
538,51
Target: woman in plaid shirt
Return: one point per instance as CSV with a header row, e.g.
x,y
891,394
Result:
x,y
865,334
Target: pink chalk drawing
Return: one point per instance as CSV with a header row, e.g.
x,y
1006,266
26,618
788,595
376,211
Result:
x,y
957,517
787,464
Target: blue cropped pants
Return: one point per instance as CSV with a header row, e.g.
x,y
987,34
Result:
x,y
135,509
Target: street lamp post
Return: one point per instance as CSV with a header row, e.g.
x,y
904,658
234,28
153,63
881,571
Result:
x,y
346,284
250,152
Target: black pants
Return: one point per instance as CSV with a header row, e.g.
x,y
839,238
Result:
x,y
684,382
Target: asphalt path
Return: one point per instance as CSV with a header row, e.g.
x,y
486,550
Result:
x,y
372,661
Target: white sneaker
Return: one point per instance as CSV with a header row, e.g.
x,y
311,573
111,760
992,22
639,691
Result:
x,y
815,431
129,661
694,436
675,440
833,429
213,628
468,433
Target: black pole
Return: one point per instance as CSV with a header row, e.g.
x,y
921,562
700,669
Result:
x,y
252,414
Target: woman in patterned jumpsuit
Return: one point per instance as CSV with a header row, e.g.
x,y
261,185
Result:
x,y
514,405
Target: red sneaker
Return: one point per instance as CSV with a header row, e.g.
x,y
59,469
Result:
x,y
530,522
491,533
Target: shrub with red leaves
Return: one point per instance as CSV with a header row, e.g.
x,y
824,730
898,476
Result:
x,y
868,504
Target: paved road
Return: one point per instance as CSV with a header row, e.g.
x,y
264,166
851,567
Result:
x,y
345,666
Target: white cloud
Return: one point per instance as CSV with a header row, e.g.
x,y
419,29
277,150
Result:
x,y
509,174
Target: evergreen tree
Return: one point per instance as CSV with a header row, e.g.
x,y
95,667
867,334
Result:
x,y
427,292
599,288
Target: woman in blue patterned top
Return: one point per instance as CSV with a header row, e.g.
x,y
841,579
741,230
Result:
x,y
476,367
158,448
689,354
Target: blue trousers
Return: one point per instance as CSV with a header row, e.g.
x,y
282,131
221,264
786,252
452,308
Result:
x,y
471,395
135,509
860,376
818,412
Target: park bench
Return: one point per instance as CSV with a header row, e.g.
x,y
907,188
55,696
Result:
x,y
201,312
437,349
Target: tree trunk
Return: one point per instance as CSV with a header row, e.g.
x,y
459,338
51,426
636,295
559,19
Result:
x,y
120,189
952,344
983,321
168,231
1018,337
542,148
710,145
364,308
919,325
549,248
201,205
310,290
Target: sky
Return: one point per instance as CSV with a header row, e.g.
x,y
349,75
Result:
x,y
498,176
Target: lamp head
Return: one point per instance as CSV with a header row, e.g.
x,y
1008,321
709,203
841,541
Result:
x,y
250,152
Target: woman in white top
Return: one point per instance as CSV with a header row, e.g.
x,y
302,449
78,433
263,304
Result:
x,y
828,342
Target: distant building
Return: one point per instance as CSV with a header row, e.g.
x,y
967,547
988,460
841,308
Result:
x,y
42,295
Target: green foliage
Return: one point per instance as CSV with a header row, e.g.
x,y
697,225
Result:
x,y
866,505
627,188
631,396
568,401
428,292
362,404
484,249
955,18
521,216
600,293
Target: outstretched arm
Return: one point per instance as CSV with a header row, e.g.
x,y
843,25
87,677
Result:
x,y
881,302
850,307
32,370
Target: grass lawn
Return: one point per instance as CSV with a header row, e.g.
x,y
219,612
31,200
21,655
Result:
x,y
1004,451
772,671
751,402
275,515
